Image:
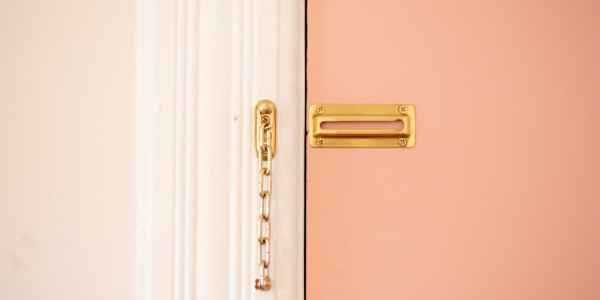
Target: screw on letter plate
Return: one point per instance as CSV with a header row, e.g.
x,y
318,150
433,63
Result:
x,y
320,109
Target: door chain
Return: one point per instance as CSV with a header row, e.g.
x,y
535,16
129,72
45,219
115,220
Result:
x,y
265,131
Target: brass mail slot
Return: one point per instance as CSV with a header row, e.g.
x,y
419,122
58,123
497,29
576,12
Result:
x,y
362,125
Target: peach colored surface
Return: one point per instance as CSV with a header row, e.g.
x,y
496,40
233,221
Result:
x,y
500,198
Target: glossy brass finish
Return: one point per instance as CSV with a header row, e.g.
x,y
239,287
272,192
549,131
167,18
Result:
x,y
264,139
264,111
403,137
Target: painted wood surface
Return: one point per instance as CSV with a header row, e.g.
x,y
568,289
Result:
x,y
215,59
499,199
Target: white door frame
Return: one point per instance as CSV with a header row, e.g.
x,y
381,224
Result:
x,y
201,65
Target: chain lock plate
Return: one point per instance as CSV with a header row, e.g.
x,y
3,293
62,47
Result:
x,y
362,125
264,109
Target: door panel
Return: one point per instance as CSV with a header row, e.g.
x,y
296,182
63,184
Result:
x,y
498,198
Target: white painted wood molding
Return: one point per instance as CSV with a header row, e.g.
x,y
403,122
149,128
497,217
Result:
x,y
201,67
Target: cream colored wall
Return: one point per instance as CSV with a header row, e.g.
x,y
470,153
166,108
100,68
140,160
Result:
x,y
66,134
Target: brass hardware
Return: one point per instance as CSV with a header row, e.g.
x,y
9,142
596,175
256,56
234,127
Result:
x,y
361,137
264,140
263,110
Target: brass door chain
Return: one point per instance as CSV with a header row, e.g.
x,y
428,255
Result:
x,y
265,138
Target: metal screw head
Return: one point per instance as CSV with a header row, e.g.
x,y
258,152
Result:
x,y
320,109
402,142
320,142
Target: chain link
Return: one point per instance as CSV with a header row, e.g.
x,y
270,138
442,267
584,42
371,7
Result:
x,y
263,282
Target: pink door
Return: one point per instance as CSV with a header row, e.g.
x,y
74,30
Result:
x,y
499,199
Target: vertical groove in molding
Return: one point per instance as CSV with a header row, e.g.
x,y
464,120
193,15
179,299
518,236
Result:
x,y
216,153
248,249
236,169
146,141
185,148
